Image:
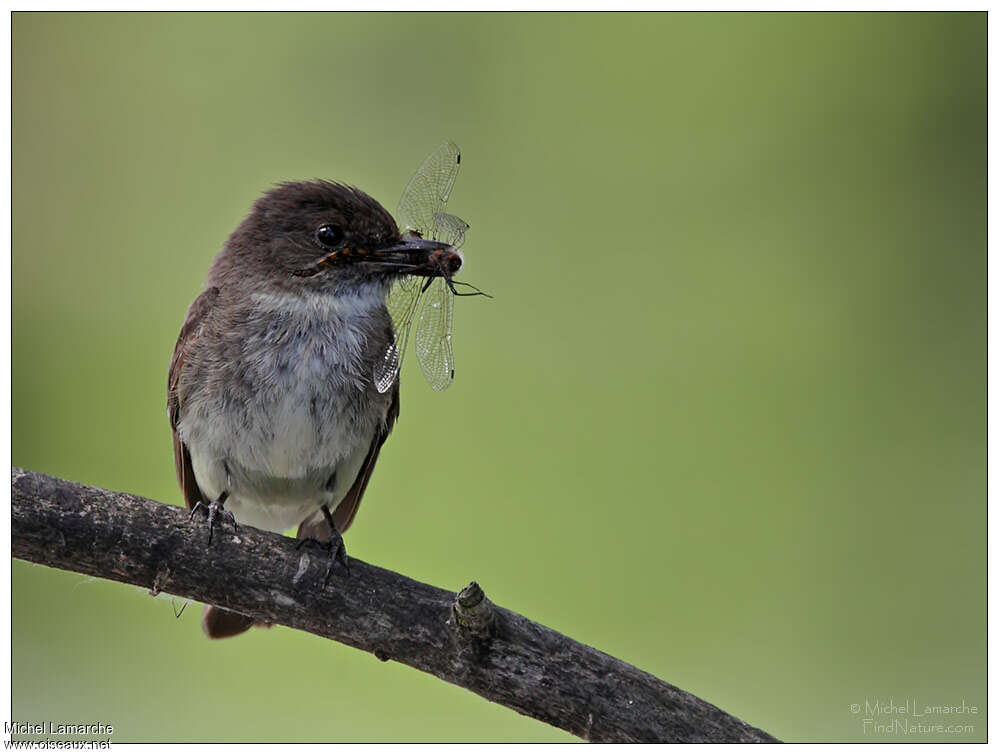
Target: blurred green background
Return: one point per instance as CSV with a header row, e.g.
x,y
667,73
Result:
x,y
724,419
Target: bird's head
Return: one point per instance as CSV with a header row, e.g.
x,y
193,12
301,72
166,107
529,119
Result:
x,y
326,238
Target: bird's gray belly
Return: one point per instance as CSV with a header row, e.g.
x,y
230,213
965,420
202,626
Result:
x,y
295,435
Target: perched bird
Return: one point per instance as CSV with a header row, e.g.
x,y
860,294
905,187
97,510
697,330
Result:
x,y
277,419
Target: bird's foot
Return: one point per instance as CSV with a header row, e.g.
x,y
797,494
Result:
x,y
215,512
334,547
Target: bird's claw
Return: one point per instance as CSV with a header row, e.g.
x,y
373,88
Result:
x,y
215,511
337,552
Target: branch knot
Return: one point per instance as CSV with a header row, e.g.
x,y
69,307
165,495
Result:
x,y
473,613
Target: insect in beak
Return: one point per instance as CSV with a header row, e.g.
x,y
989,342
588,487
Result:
x,y
413,255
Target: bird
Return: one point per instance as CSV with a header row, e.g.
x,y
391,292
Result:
x,y
275,416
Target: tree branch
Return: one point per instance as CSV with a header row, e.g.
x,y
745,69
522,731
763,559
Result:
x,y
463,639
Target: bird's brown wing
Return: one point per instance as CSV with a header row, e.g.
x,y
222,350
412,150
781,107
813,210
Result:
x,y
216,622
344,513
189,333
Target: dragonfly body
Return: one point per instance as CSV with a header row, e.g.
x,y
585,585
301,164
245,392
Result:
x,y
429,299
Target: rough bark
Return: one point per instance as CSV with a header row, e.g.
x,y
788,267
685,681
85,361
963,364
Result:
x,y
463,639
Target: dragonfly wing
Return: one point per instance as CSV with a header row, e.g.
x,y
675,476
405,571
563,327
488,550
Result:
x,y
402,301
433,335
428,190
450,228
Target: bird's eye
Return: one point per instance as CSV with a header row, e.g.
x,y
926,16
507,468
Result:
x,y
329,235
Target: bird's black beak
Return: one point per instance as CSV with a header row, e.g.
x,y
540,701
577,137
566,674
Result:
x,y
418,256
412,255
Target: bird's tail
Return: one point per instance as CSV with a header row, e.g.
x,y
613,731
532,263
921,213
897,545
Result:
x,y
219,623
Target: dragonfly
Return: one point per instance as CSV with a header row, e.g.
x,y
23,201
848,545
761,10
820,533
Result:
x,y
426,301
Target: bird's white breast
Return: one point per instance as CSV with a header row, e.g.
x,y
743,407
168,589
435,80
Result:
x,y
303,415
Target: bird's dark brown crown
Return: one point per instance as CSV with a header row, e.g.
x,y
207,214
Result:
x,y
295,223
